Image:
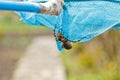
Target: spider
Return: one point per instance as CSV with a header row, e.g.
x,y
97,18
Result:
x,y
65,42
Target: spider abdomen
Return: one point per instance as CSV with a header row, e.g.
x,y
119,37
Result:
x,y
67,45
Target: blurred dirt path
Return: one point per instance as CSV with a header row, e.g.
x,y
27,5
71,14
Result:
x,y
40,62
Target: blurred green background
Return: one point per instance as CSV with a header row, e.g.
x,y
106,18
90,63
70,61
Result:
x,y
97,59
15,36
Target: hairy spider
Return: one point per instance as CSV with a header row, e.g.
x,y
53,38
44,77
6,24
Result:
x,y
65,42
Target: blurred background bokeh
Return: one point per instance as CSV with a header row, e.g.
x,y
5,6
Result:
x,y
15,37
97,59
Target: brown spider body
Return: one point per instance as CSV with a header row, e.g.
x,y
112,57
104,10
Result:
x,y
65,43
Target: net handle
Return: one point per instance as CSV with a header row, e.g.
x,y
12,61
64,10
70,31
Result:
x,y
20,6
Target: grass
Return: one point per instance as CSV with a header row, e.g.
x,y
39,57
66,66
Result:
x,y
108,75
75,71
81,64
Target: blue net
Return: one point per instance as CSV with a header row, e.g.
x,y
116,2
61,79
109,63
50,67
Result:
x,y
80,20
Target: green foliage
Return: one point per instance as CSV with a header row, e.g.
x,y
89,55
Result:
x,y
1,33
97,59
10,23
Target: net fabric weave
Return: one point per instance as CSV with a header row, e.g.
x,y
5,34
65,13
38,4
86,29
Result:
x,y
79,20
